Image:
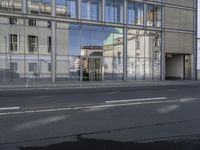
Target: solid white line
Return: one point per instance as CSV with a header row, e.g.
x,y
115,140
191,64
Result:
x,y
136,100
9,108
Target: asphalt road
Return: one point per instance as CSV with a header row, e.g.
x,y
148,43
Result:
x,y
101,118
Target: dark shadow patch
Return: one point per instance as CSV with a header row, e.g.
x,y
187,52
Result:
x,y
97,144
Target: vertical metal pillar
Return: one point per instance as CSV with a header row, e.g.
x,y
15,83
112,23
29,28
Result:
x,y
125,43
163,56
79,9
103,11
194,62
53,41
24,6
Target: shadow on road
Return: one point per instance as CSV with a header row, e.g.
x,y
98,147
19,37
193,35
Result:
x,y
97,144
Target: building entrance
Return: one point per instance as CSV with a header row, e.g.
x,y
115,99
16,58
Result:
x,y
178,66
92,68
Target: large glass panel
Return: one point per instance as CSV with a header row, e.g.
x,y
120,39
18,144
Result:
x,y
114,11
11,5
143,51
135,13
91,9
66,8
153,15
42,7
96,52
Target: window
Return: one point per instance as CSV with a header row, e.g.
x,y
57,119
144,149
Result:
x,y
13,20
13,66
49,44
32,67
32,22
14,42
49,67
32,43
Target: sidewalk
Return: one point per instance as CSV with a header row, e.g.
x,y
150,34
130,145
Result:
x,y
74,85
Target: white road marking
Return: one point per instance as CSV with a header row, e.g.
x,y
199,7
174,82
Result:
x,y
136,100
9,108
89,107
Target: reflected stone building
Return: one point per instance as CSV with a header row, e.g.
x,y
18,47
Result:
x,y
97,40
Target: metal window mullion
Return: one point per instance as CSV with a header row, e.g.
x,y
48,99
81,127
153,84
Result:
x,y
79,9
125,42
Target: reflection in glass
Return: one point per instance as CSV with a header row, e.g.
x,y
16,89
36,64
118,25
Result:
x,y
135,13
67,8
153,15
143,52
11,5
91,9
114,11
39,7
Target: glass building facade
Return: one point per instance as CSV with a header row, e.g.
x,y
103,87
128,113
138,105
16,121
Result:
x,y
97,40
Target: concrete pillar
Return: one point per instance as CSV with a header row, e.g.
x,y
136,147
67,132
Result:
x,y
53,42
125,43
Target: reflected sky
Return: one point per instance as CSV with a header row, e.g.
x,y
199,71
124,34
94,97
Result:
x,y
80,36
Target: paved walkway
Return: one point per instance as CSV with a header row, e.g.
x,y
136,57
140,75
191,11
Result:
x,y
73,85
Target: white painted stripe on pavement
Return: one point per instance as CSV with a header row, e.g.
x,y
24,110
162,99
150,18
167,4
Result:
x,y
9,108
89,107
136,100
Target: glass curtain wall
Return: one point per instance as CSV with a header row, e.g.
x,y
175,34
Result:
x,y
91,9
135,13
143,54
153,15
95,53
11,5
42,7
114,11
67,8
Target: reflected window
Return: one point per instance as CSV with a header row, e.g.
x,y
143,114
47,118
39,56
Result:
x,y
32,67
114,11
91,9
153,15
49,44
135,13
39,7
13,66
32,22
11,5
67,8
13,20
32,43
14,39
49,67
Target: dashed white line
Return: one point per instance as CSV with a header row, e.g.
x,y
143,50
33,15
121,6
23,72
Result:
x,y
137,100
9,108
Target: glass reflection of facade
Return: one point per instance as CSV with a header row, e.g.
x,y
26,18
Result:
x,y
96,40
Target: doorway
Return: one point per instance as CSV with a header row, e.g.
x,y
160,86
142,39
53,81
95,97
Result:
x,y
92,68
178,66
